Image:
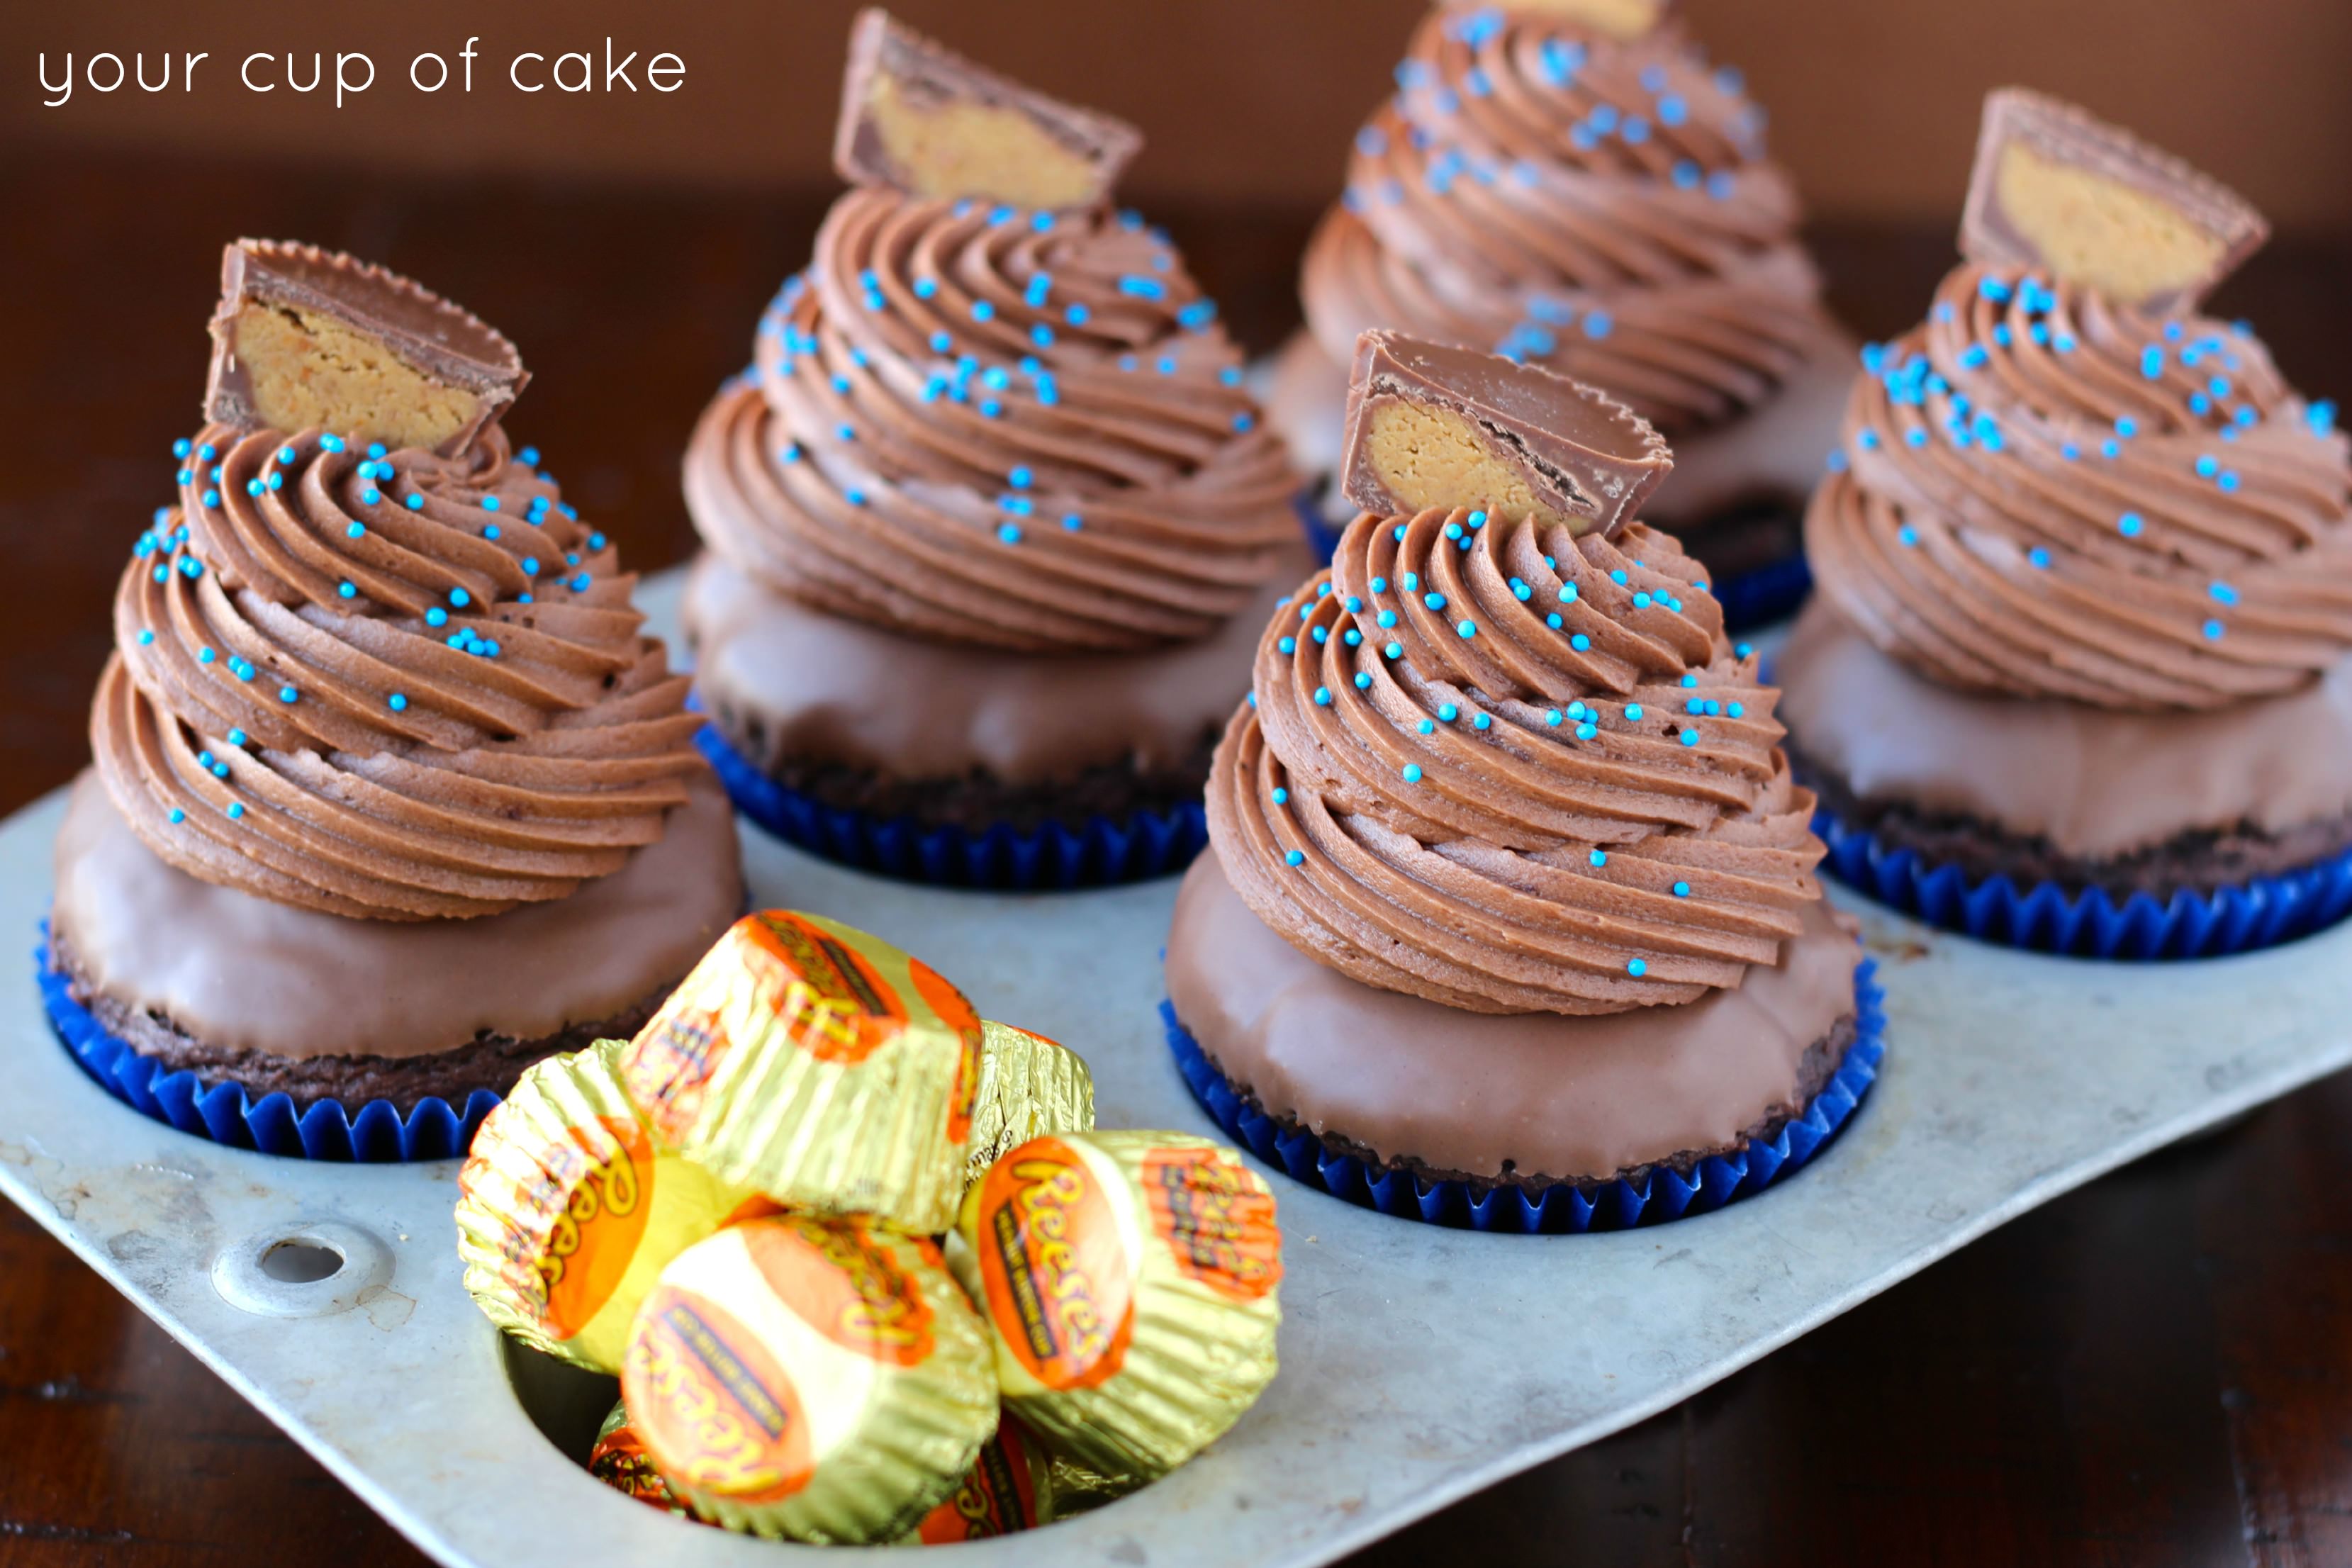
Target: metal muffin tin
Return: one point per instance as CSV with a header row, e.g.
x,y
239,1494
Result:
x,y
1417,1363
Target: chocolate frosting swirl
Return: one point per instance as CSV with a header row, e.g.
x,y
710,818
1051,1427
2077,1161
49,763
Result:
x,y
2043,494
1598,205
396,686
998,429
1512,771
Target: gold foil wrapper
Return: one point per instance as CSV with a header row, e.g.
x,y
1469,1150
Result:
x,y
820,1064
619,1460
1029,1086
814,1379
569,1204
1130,1285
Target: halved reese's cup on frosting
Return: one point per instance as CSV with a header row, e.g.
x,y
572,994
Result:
x,y
569,1204
1129,1285
820,1064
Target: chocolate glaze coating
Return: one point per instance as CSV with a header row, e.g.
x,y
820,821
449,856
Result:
x,y
2063,786
1528,1098
230,972
792,686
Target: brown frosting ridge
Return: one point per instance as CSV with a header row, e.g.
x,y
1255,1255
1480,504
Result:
x,y
1576,806
2048,495
1602,207
414,773
996,429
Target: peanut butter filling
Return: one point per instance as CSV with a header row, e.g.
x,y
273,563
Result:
x,y
1431,457
308,371
965,148
2101,232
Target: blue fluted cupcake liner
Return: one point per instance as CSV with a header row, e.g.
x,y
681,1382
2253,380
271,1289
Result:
x,y
2045,918
1751,599
227,1112
1052,856
1661,1196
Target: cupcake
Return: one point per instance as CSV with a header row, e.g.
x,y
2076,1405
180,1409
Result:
x,y
2080,677
1573,185
392,796
991,518
1510,915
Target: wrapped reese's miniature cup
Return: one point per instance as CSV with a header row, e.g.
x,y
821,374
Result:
x,y
1029,1086
569,1204
816,1379
1130,1284
820,1064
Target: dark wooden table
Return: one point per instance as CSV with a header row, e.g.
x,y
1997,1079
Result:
x,y
2152,1371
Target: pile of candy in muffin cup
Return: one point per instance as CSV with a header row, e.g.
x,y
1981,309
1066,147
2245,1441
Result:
x,y
863,1266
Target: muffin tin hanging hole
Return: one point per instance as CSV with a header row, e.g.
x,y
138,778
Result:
x,y
312,1268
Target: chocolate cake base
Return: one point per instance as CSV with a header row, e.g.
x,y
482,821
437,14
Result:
x,y
2202,861
492,1061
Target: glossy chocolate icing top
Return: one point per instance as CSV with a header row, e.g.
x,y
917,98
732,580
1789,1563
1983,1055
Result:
x,y
1529,1094
2097,783
1602,206
818,689
239,972
996,429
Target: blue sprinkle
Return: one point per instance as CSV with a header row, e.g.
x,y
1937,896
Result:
x,y
206,656
1581,643
1293,859
1690,737
347,590
436,616
1281,795
1466,629
1681,890
235,809
1636,968
1483,721
1448,711
2131,523
178,815
1143,288
2040,557
1600,859
145,637
2151,363
2213,630
1633,713
287,694
1411,774
1322,697
1394,651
